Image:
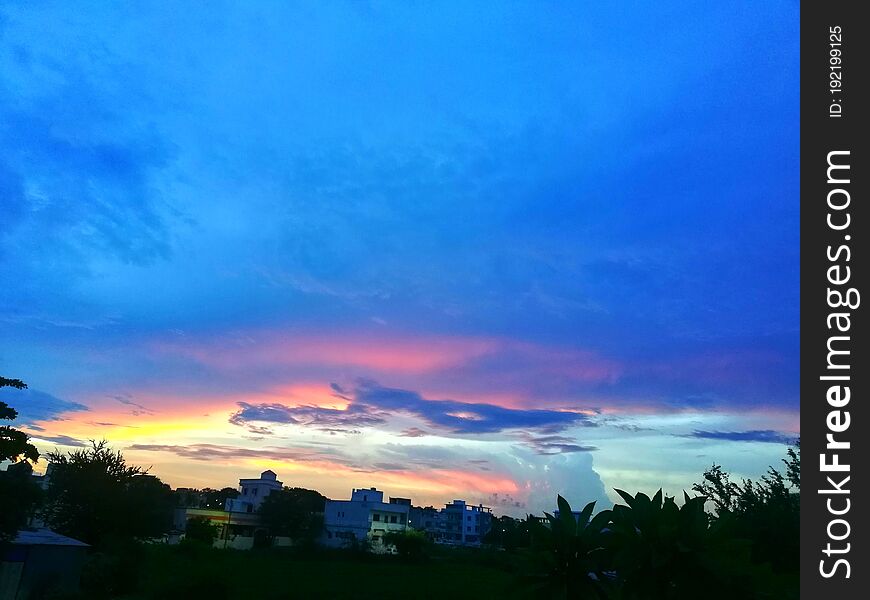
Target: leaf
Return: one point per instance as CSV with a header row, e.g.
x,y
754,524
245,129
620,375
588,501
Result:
x,y
583,519
625,496
566,516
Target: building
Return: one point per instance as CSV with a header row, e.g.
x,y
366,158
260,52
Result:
x,y
235,529
457,523
239,524
40,562
365,518
252,492
466,525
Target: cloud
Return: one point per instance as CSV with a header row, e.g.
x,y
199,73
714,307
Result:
x,y
34,405
61,440
210,452
413,432
762,435
554,444
137,409
463,417
326,419
371,404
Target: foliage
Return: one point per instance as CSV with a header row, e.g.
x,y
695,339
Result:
x,y
664,551
113,569
296,513
201,530
509,533
204,498
19,495
410,544
766,512
171,572
93,494
14,444
574,555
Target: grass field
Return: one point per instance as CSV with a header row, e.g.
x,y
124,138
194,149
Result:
x,y
170,572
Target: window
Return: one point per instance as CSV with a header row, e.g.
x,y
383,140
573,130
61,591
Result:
x,y
393,519
244,491
254,491
468,528
376,517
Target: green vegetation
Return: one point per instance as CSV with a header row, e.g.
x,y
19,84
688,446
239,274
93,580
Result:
x,y
200,530
645,548
94,496
18,494
178,573
296,513
411,544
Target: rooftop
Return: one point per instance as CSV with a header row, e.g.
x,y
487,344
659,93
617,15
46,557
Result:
x,y
44,537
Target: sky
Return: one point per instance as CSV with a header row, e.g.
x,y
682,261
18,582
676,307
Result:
x,y
494,252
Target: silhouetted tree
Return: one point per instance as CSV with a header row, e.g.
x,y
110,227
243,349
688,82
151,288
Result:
x,y
201,530
14,444
509,533
19,497
296,513
93,494
410,544
766,512
18,493
661,550
572,556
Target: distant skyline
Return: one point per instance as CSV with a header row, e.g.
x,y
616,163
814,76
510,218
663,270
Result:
x,y
490,252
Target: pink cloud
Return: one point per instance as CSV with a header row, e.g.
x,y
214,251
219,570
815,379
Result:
x,y
400,354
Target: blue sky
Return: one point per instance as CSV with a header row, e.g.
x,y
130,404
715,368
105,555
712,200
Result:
x,y
527,242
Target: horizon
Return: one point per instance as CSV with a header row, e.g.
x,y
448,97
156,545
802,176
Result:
x,y
449,252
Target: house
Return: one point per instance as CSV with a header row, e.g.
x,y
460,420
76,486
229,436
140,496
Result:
x,y
364,518
238,523
465,524
458,523
252,492
39,561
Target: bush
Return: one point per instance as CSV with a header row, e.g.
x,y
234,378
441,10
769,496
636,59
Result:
x,y
410,544
201,530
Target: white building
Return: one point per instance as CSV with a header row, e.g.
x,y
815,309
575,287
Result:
x,y
457,523
252,492
365,517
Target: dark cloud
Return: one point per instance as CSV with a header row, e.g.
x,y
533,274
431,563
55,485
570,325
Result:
x,y
209,452
554,444
330,420
34,405
110,424
758,435
136,408
372,404
62,440
463,417
504,501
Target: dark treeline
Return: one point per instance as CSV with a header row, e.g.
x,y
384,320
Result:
x,y
747,546
731,540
